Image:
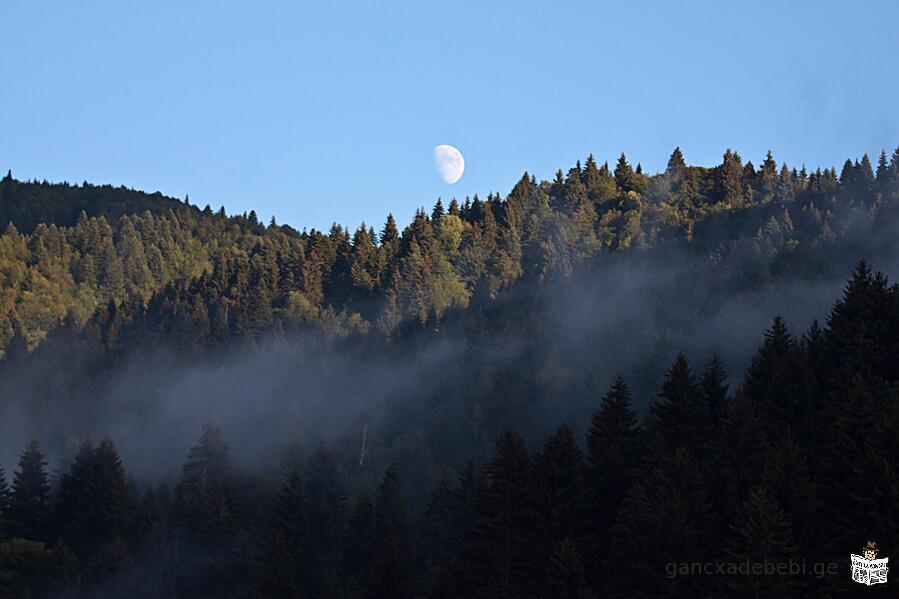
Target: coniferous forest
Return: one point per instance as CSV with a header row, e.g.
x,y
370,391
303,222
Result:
x,y
578,389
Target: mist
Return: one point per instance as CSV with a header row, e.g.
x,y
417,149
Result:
x,y
548,356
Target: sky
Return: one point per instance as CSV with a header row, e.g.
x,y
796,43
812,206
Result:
x,y
321,112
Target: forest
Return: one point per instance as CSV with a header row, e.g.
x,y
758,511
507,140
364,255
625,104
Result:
x,y
562,392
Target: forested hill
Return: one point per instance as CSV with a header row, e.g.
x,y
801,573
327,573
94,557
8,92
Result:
x,y
389,361
28,204
76,253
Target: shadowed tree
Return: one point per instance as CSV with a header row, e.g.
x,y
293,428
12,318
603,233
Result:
x,y
326,507
27,512
614,453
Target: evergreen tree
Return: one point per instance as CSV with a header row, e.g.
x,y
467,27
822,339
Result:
x,y
559,502
714,389
614,452
883,171
624,174
565,574
731,180
206,515
762,533
664,520
501,559
96,510
361,542
391,514
437,212
775,382
27,514
289,544
326,506
676,419
676,165
388,577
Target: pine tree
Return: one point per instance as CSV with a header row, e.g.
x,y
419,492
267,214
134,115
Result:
x,y
559,503
391,513
730,180
437,212
762,533
787,480
883,171
390,239
624,174
26,516
388,577
861,329
204,501
714,389
676,165
676,419
501,560
775,382
565,577
96,509
663,520
614,453
361,542
736,463
866,171
768,177
288,544
326,506
206,514
415,272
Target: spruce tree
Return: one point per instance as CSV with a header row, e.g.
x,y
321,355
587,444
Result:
x,y
787,480
714,389
663,520
565,577
27,513
762,533
624,174
326,507
204,497
614,453
775,381
388,576
96,509
288,543
677,419
361,542
501,560
676,165
391,513
559,501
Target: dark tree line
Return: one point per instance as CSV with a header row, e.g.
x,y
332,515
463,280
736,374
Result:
x,y
797,462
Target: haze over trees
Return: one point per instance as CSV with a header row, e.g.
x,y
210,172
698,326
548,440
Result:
x,y
536,376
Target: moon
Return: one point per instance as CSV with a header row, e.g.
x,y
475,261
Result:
x,y
449,162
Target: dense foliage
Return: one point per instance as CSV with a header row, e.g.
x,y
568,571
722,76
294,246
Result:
x,y
796,463
69,251
478,319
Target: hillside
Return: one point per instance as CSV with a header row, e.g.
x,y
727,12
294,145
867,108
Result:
x,y
558,391
73,249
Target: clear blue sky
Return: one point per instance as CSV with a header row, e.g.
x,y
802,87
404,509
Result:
x,y
330,112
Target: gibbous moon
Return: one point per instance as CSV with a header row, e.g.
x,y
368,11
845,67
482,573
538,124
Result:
x,y
449,163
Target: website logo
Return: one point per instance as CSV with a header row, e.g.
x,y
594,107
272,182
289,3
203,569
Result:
x,y
866,568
